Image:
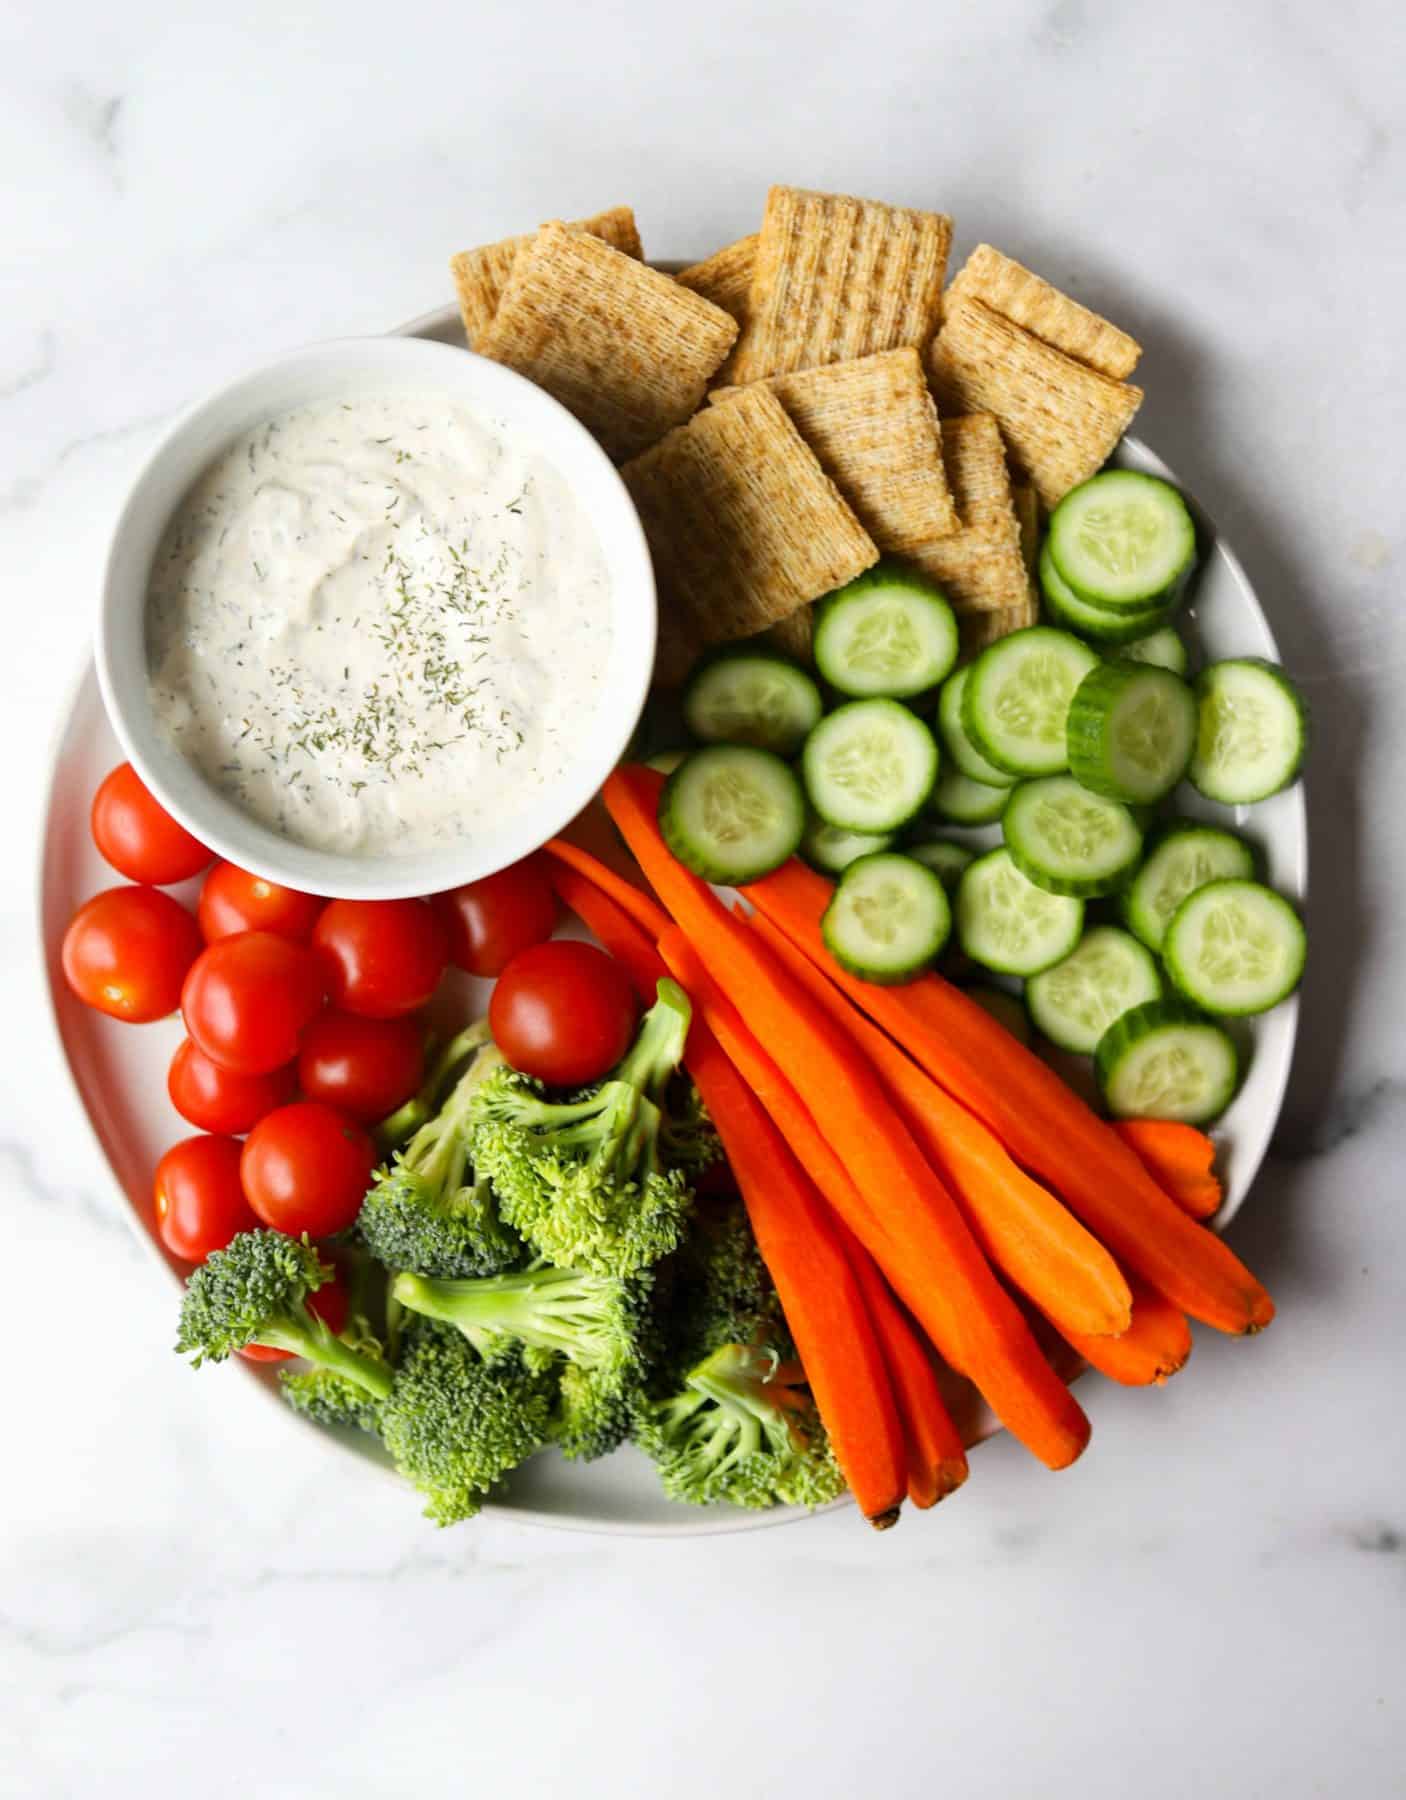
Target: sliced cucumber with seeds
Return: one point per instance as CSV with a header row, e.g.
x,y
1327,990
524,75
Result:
x,y
747,698
831,849
1235,948
1132,729
962,801
946,858
1008,924
960,750
869,766
1251,734
1160,1061
888,920
1163,648
1183,858
1099,623
889,633
1016,701
1076,1001
1069,841
731,813
1123,539
1004,1008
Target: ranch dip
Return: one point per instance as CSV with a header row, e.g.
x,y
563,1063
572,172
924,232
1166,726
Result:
x,y
375,622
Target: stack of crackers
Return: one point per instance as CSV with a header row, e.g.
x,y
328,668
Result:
x,y
809,399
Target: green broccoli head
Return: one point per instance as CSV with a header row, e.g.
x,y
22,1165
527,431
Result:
x,y
454,1424
327,1397
714,1290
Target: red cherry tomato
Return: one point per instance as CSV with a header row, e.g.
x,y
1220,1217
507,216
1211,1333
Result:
x,y
247,999
127,951
367,1067
329,1303
488,922
382,957
217,1099
306,1168
233,900
200,1202
138,836
564,1012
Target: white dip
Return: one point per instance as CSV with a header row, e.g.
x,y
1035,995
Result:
x,y
373,624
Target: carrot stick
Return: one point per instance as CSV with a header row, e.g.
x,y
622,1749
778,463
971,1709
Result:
x,y
1179,1158
1043,1124
1154,1346
925,1247
1020,1225
646,911
631,947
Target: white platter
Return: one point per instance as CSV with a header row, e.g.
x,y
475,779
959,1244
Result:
x,y
119,1072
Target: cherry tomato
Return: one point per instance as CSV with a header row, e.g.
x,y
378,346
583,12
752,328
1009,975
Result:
x,y
247,999
564,1012
127,951
138,836
329,1303
382,957
217,1099
306,1168
200,1202
367,1067
488,922
233,900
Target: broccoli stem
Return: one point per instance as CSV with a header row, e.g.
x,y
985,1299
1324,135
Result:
x,y
309,1336
656,1053
549,1308
439,1150
421,1107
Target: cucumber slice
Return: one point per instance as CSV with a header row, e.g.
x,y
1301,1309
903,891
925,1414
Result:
x,y
888,634
962,801
1123,540
1183,858
748,698
961,751
946,858
888,920
831,849
1008,924
731,813
1162,648
1161,1062
1016,700
1076,1001
1069,841
1252,731
1132,729
1098,623
869,766
1004,1008
1234,948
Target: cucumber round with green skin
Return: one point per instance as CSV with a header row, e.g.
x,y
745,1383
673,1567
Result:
x,y
831,849
732,813
1099,623
888,634
1016,701
961,801
1163,648
1004,1008
1161,1061
748,697
1131,733
1006,923
1123,539
961,752
1069,841
1106,975
1181,859
945,857
1251,734
1235,948
888,919
869,766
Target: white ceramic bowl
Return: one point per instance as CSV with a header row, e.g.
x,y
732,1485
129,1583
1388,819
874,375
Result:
x,y
322,371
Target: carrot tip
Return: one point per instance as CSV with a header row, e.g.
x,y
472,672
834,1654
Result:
x,y
887,1519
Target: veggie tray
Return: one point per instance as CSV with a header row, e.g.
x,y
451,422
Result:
x,y
915,881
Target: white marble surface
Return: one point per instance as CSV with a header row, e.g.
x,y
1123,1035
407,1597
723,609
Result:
x,y
192,1598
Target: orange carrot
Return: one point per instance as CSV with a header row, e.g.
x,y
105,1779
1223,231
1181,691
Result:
x,y
924,1247
1042,1123
1179,1158
643,908
1154,1346
631,947
1020,1225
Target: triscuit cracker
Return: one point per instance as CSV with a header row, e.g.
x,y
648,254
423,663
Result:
x,y
627,349
725,277
978,629
1059,419
743,524
792,636
980,567
1027,512
839,278
1042,310
873,425
481,275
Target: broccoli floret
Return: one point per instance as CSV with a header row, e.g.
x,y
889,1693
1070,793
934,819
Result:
x,y
454,1424
600,1181
715,1290
328,1398
256,1291
743,1429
